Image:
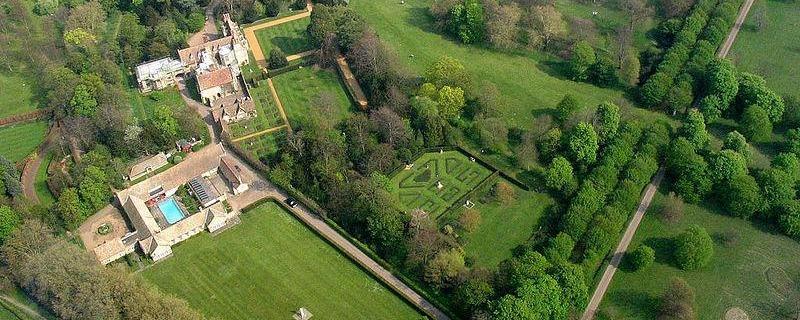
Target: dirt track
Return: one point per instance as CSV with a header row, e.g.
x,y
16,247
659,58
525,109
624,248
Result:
x,y
726,46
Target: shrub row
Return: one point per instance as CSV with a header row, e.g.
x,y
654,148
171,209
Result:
x,y
593,192
656,87
608,223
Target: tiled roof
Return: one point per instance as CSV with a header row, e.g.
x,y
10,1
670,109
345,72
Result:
x,y
214,78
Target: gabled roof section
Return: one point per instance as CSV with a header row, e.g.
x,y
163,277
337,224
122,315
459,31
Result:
x,y
215,78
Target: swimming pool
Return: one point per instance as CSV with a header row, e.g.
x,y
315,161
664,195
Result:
x,y
172,212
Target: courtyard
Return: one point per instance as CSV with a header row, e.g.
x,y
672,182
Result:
x,y
268,267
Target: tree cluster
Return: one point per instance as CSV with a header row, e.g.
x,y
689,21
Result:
x,y
68,282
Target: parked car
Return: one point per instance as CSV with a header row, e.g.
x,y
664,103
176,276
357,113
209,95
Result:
x,y
291,202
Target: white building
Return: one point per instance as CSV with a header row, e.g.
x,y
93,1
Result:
x,y
158,74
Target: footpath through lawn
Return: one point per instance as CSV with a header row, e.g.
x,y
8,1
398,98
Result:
x,y
753,268
269,266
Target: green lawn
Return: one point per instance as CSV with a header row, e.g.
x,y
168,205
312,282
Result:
x,y
417,188
297,89
264,146
19,140
528,82
269,266
775,51
608,19
503,228
755,274
267,112
291,37
42,190
16,96
142,106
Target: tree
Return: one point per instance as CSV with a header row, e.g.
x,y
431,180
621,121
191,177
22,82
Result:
x,y
603,72
726,166
583,57
70,209
445,267
640,258
629,68
502,28
504,193
9,178
675,8
470,219
164,122
510,307
636,11
467,22
566,108
574,291
721,81
789,219
793,141
607,121
195,21
678,301
559,176
9,221
89,16
583,144
277,59
755,124
45,7
736,141
547,23
741,196
512,273
559,248
83,102
789,163
753,90
777,186
448,71
427,120
694,129
549,144
693,248
93,189
543,298
680,96
451,101
492,133
473,294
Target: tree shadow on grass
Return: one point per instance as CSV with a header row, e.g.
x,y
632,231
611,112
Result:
x,y
641,305
664,248
421,18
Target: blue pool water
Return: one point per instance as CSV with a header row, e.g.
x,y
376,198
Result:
x,y
171,210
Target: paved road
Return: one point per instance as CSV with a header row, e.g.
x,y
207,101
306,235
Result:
x,y
202,110
209,31
726,46
605,281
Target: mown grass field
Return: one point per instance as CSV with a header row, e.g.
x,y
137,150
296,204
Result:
x,y
290,37
142,106
20,139
268,267
608,19
267,114
503,227
775,51
264,146
16,96
530,83
299,88
417,188
757,273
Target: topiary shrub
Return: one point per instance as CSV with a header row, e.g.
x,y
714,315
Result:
x,y
277,59
693,248
640,258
